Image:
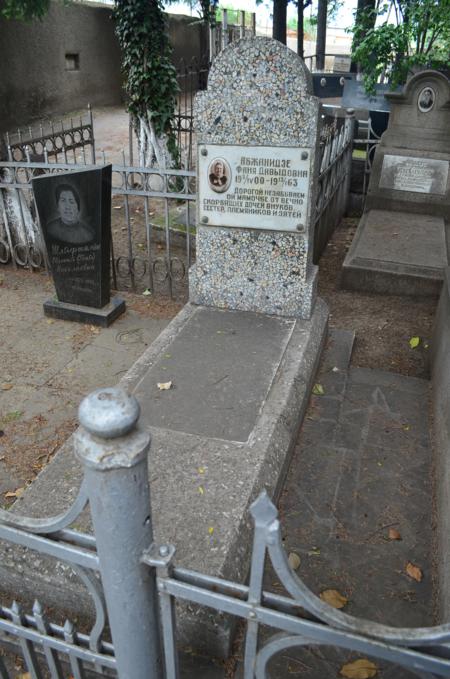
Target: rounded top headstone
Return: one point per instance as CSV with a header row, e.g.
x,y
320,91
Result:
x,y
109,413
259,93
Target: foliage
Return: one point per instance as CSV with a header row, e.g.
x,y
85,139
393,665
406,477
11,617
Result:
x,y
150,77
24,10
408,34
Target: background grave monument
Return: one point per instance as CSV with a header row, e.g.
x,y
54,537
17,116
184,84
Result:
x,y
257,123
239,367
75,216
400,246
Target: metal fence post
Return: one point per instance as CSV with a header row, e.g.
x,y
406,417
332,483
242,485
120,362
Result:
x,y
350,121
113,451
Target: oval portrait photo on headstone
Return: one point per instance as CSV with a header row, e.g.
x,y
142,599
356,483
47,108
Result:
x,y
219,175
426,99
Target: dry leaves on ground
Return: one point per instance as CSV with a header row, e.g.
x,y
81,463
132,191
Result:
x,y
334,598
294,560
163,386
414,572
359,669
394,534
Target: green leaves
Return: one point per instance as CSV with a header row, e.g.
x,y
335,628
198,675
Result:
x,y
150,78
420,36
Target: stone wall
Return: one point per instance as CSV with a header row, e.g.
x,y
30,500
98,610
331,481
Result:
x,y
69,59
441,431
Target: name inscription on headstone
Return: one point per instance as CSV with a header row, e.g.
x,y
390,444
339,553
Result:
x,y
78,264
261,187
419,175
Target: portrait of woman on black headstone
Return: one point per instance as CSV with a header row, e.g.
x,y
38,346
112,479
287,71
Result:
x,y
426,99
68,227
219,175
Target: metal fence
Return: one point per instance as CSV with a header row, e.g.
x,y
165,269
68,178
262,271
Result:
x,y
61,141
367,141
153,211
153,223
335,168
135,573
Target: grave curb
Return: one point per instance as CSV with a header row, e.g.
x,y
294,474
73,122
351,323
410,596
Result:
x,y
272,444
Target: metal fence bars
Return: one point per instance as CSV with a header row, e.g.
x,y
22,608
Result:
x,y
153,223
63,141
335,168
134,570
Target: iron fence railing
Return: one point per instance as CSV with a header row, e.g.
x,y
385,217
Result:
x,y
67,140
153,211
153,223
335,168
139,605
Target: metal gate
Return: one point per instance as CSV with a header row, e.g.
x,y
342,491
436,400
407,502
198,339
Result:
x,y
140,582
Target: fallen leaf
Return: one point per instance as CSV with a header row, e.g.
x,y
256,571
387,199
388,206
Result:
x,y
6,386
210,530
359,669
147,292
117,207
201,490
394,534
315,551
318,390
201,470
141,246
163,386
335,369
414,342
27,675
334,598
50,321
294,560
15,493
414,572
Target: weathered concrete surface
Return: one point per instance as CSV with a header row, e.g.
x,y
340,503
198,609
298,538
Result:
x,y
441,429
400,246
397,253
202,480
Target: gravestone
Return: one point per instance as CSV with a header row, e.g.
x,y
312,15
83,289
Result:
x,y
75,215
257,128
400,246
237,368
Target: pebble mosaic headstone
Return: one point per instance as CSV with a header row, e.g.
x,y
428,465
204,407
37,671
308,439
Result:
x,y
257,126
75,215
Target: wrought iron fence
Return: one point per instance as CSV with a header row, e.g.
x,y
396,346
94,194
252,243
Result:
x,y
153,211
153,223
66,141
368,143
335,167
113,453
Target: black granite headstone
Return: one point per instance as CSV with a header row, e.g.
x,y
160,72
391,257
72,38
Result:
x,y
75,215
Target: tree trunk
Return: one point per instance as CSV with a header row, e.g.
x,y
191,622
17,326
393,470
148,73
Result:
x,y
321,34
300,30
153,150
279,20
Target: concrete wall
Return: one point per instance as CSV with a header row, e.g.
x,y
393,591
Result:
x,y
441,435
34,80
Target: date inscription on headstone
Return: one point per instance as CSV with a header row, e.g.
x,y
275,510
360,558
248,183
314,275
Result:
x,y
254,186
419,175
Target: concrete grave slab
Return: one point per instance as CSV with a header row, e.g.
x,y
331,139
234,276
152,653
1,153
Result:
x,y
387,254
203,476
402,248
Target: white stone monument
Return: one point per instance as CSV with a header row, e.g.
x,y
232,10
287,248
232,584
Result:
x,y
257,134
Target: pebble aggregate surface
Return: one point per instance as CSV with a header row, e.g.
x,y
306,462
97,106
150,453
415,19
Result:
x,y
259,93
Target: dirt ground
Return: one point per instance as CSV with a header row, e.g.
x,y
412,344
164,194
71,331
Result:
x,y
384,325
